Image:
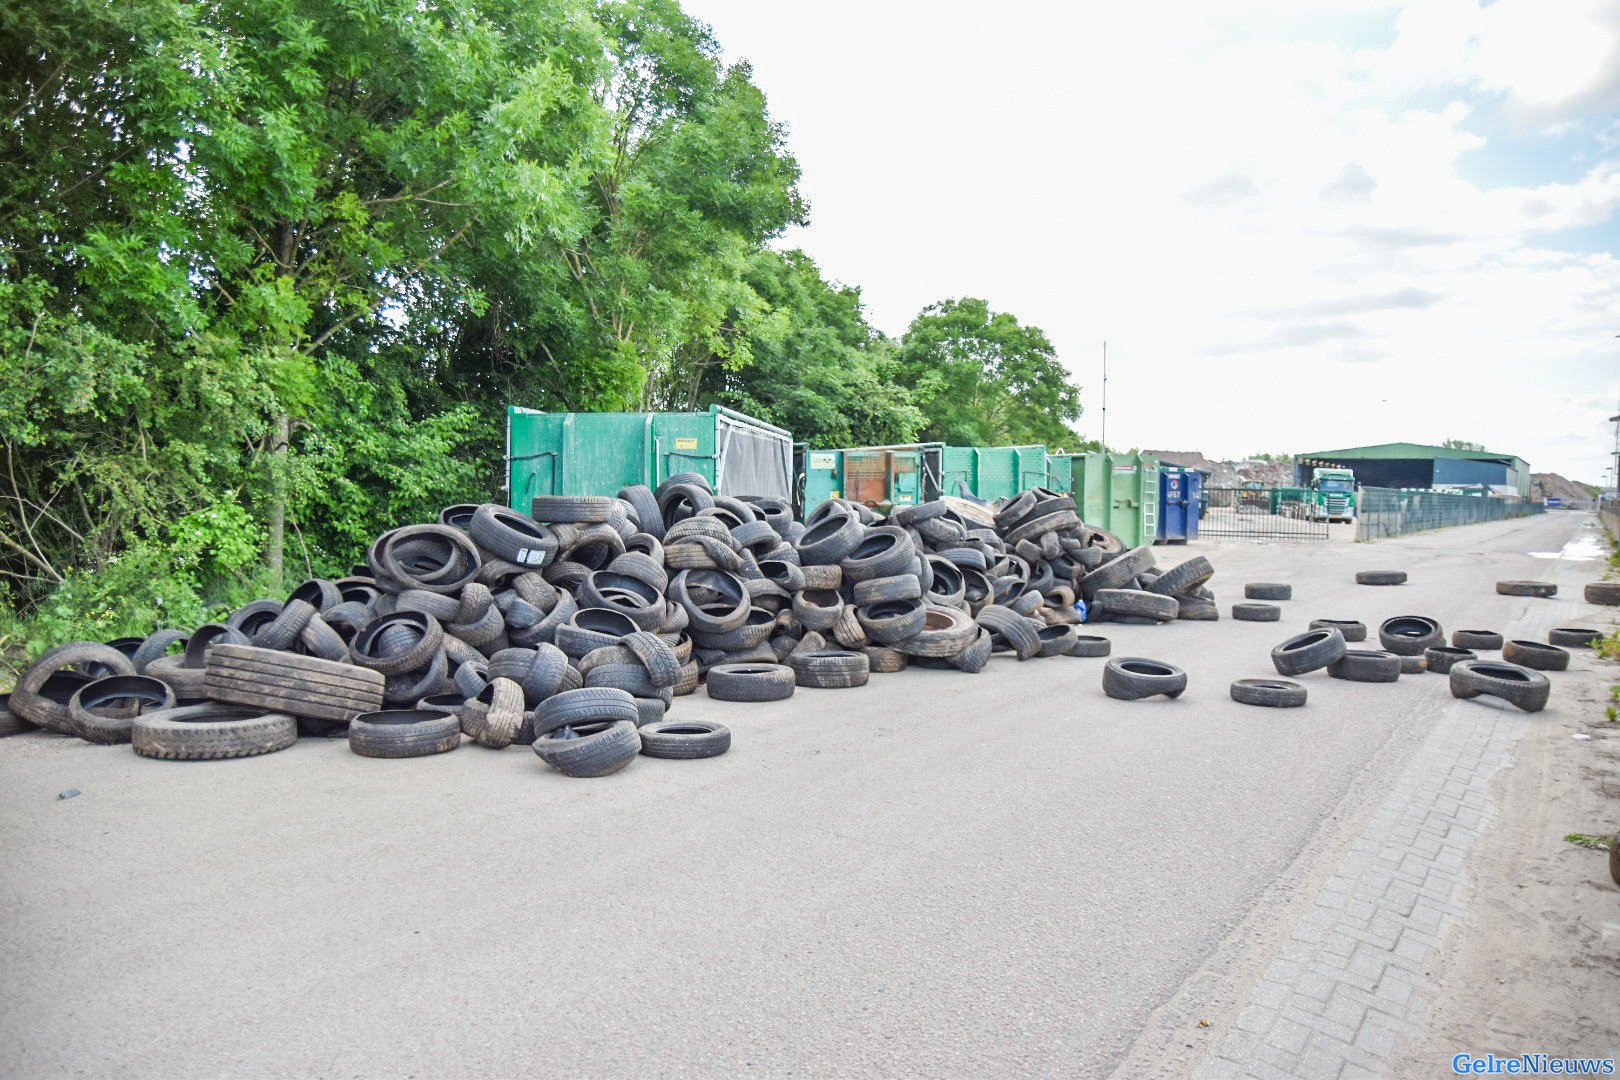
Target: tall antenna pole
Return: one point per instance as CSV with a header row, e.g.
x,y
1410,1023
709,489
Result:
x,y
1104,438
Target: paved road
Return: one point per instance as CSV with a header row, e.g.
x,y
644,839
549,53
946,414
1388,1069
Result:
x,y
938,875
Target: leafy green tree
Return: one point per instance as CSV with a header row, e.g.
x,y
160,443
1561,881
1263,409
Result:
x,y
816,366
983,378
1462,444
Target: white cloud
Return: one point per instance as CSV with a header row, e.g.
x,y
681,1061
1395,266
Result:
x,y
1259,205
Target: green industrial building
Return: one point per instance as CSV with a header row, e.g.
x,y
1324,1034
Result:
x,y
1414,465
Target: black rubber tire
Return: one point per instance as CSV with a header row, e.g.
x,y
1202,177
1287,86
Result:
x,y
644,568
397,644
1196,609
630,677
1573,637
318,593
600,748
1267,590
830,540
755,630
97,720
155,645
1412,665
1541,589
211,733
1132,678
589,629
1365,665
1117,573
1090,646
1272,693
36,702
1352,630
750,682
1183,577
1057,639
648,516
404,733
619,592
10,722
1010,631
882,660
1256,612
975,657
438,558
1476,639
1381,577
1605,593
1409,635
1135,604
882,552
1441,658
830,669
571,510
188,683
727,611
287,683
885,589
512,536
252,617
1518,686
892,621
685,740
946,632
821,577
1309,651
496,716
1536,656
571,708
818,609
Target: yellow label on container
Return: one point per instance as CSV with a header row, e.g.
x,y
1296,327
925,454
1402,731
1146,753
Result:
x,y
686,444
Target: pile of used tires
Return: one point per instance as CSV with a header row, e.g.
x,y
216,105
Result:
x,y
574,628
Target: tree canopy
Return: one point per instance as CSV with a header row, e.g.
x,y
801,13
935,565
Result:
x,y
983,378
270,271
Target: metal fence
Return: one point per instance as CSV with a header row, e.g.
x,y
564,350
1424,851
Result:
x,y
1608,509
1258,514
1384,512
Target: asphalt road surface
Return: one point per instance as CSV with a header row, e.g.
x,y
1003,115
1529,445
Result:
x,y
939,874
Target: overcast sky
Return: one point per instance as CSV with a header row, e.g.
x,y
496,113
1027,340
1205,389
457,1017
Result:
x,y
1299,224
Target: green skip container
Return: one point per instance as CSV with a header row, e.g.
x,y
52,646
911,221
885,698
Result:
x,y
992,472
552,453
1117,492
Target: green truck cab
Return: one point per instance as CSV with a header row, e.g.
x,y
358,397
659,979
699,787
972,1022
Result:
x,y
1332,495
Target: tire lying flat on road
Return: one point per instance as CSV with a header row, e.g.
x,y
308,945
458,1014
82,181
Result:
x,y
1381,577
1256,612
1518,686
211,733
1409,635
404,733
1476,639
1366,665
1352,630
1602,592
1272,693
1575,637
1533,654
1441,658
284,682
1267,590
1527,588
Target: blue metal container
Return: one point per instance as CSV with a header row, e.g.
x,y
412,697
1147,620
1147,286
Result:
x,y
1179,493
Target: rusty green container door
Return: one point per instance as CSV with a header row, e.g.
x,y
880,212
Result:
x,y
877,476
993,472
1060,472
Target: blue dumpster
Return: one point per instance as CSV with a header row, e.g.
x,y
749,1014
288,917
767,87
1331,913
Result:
x,y
1179,492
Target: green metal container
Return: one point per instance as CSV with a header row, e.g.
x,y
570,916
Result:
x,y
875,476
1117,492
993,472
598,453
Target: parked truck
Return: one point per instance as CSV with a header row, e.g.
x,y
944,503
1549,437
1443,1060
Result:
x,y
1332,495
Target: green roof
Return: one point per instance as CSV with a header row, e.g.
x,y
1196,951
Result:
x,y
1405,451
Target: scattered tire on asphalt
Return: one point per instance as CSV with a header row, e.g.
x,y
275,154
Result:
x,y
211,732
404,733
1518,686
1535,655
1606,593
1272,693
1351,630
1441,658
1409,635
751,682
1131,678
1366,665
1256,612
685,739
1579,638
1381,577
1476,639
1308,651
1267,590
1541,589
